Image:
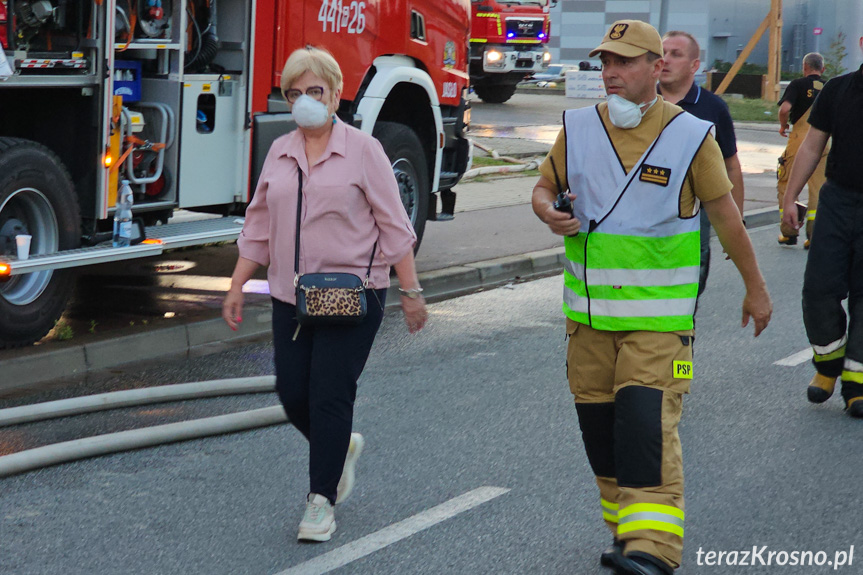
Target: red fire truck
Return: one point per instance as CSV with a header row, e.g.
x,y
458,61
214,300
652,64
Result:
x,y
507,43
181,98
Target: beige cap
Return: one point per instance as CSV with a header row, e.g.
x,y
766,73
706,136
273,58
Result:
x,y
630,39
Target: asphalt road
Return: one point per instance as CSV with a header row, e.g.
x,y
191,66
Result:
x,y
477,399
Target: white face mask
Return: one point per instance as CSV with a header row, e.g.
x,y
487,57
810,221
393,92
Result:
x,y
310,114
625,114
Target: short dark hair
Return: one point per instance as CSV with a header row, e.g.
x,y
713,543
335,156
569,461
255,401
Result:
x,y
652,57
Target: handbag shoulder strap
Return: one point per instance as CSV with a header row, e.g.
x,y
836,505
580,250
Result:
x,y
299,221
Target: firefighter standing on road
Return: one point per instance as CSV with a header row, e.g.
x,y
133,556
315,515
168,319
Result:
x,y
631,280
834,268
795,106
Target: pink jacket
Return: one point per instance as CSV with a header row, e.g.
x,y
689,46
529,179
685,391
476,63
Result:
x,y
350,200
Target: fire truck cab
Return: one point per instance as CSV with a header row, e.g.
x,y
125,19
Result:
x,y
509,41
181,98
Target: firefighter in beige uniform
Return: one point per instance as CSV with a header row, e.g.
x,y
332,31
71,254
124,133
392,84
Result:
x,y
795,106
637,169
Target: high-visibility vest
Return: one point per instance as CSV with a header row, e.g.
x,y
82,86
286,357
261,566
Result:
x,y
634,264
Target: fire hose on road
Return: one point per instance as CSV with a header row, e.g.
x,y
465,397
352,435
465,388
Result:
x,y
65,452
518,165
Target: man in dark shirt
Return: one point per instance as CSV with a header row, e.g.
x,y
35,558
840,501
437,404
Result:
x,y
834,269
794,107
677,85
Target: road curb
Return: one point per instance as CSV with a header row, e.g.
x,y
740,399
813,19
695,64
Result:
x,y
209,335
198,338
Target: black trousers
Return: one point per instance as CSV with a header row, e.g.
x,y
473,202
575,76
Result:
x,y
316,379
704,268
834,271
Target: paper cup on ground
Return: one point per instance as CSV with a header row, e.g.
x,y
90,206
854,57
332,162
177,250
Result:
x,y
23,241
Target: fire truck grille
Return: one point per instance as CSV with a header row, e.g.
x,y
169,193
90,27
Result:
x,y
523,28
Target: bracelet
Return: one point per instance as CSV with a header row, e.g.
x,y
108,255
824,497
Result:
x,y
412,293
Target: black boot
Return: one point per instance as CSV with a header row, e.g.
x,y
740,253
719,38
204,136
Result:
x,y
637,563
852,393
607,557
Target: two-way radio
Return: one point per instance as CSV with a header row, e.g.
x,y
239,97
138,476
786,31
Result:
x,y
562,203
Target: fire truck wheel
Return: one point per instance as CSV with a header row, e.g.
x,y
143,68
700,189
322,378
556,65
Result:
x,y
494,93
37,197
405,151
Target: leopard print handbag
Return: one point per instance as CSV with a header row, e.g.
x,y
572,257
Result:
x,y
335,298
328,298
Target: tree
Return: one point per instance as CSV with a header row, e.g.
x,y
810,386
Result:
x,y
836,54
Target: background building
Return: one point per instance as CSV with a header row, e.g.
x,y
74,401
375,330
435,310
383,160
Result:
x,y
808,26
722,27
579,25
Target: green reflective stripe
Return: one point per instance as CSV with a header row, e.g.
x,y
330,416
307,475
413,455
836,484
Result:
x,y
651,525
830,356
651,516
852,376
609,510
574,247
661,323
636,252
810,215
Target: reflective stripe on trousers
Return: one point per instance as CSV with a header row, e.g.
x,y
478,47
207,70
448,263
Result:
x,y
853,371
830,351
650,516
609,510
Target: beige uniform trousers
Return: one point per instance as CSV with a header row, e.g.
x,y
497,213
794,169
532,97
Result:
x,y
629,405
795,138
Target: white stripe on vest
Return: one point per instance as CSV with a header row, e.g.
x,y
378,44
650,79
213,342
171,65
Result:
x,y
597,177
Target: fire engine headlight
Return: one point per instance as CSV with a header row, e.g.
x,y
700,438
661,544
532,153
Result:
x,y
546,58
494,59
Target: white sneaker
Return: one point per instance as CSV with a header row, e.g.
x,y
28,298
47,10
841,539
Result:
x,y
319,521
346,482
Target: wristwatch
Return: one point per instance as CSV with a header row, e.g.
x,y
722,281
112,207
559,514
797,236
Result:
x,y
412,293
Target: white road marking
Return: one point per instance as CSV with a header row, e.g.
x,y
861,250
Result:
x,y
796,358
388,535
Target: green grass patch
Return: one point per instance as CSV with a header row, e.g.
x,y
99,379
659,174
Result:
x,y
490,177
751,110
484,161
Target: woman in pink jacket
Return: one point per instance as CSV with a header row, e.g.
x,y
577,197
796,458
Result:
x,y
351,214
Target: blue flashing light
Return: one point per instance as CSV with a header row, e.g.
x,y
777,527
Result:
x,y
541,35
510,34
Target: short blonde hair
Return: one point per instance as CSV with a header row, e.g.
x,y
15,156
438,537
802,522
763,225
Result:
x,y
318,61
694,47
